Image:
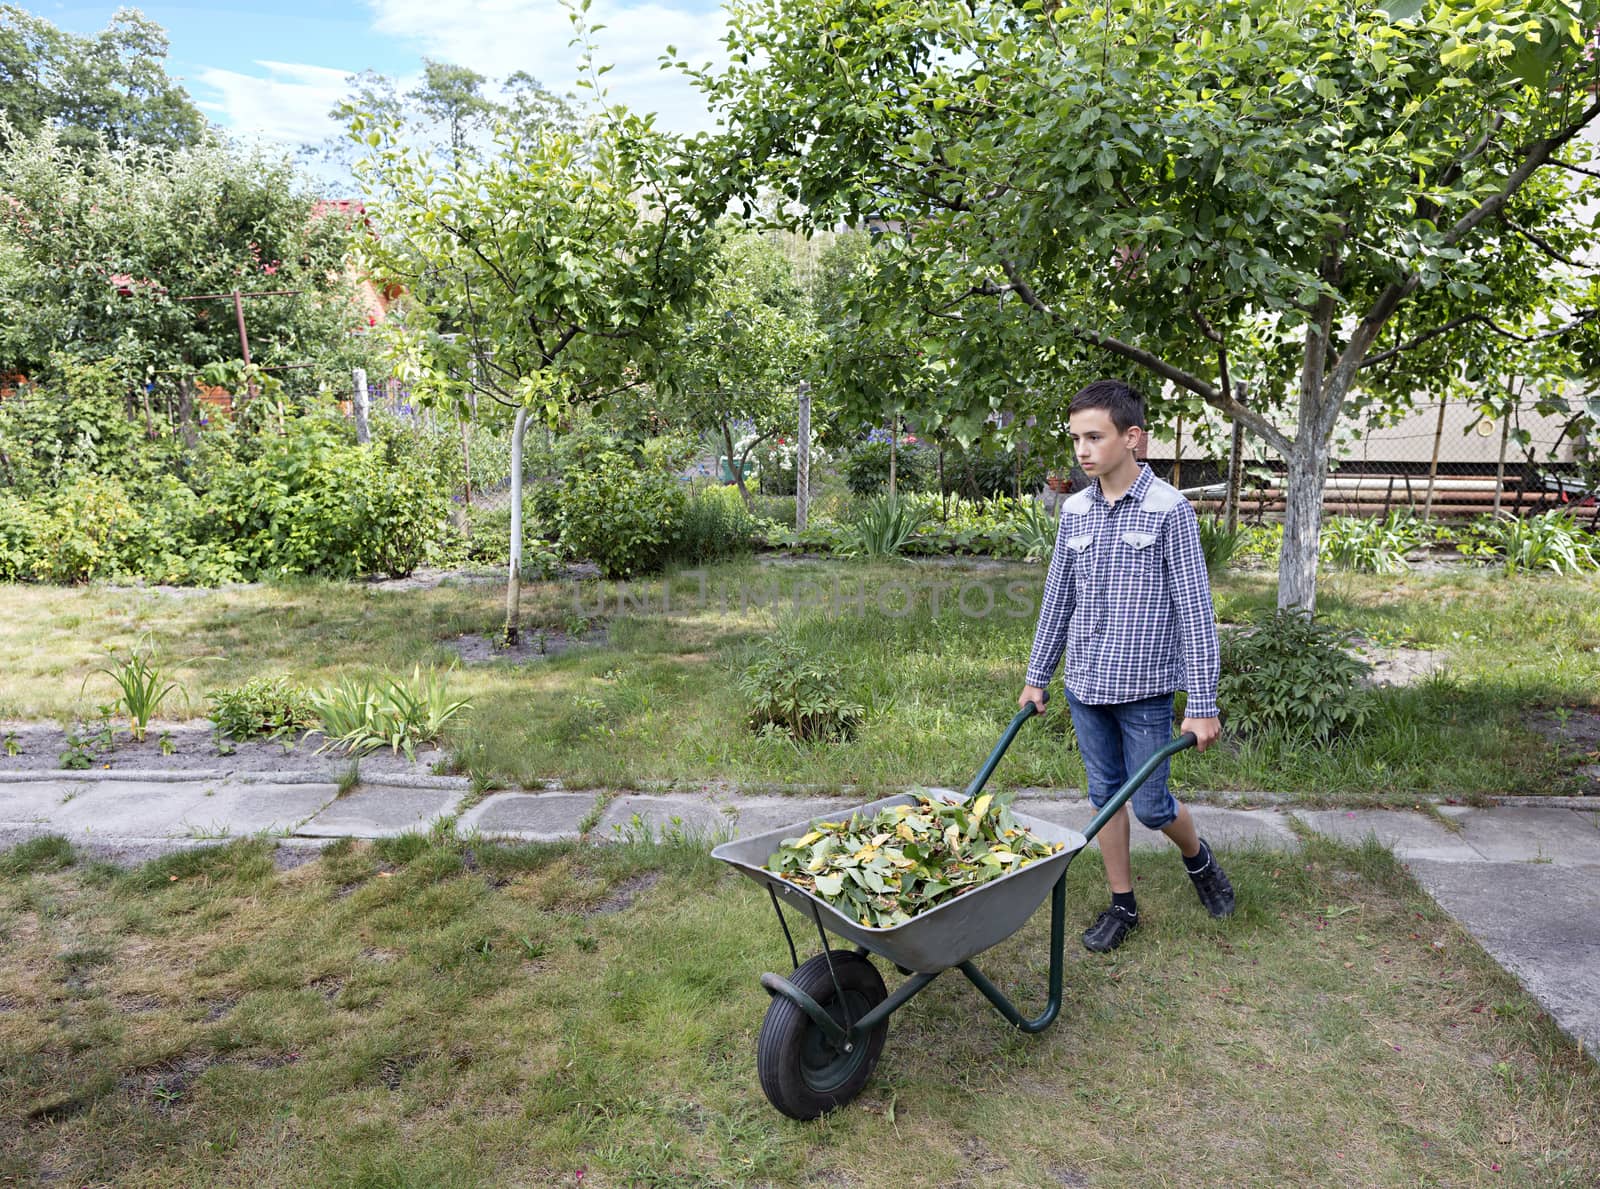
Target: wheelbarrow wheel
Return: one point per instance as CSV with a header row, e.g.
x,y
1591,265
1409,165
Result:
x,y
803,1073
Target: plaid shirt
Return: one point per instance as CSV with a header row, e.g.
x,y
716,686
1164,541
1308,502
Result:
x,y
1128,600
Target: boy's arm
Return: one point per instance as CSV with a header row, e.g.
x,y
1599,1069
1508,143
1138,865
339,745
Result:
x,y
1055,614
1191,600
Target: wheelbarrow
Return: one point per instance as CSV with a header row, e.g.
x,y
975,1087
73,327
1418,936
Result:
x,y
827,1022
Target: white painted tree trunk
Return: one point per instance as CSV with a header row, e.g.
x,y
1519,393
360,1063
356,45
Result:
x,y
1302,524
514,576
802,461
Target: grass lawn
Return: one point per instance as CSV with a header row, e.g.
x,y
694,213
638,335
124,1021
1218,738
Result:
x,y
432,1014
655,697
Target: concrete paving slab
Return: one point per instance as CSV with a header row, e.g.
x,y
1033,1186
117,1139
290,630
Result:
x,y
1408,835
533,817
1509,835
757,815
1266,828
202,810
129,809
661,814
1538,920
33,804
381,811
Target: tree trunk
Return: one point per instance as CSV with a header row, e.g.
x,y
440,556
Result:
x,y
894,434
1302,523
735,465
513,631
1307,466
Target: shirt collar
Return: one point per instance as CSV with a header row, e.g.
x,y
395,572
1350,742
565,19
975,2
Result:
x,y
1136,493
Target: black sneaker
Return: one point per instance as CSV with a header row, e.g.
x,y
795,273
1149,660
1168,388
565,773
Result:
x,y
1212,886
1109,930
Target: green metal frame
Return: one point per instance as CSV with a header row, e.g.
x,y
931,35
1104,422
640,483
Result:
x,y
848,1036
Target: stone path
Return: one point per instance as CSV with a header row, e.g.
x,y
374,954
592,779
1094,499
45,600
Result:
x,y
1524,880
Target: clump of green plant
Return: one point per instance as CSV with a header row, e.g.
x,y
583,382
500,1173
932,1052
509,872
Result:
x,y
1551,541
359,715
13,745
1034,532
1369,544
884,870
716,524
263,707
142,687
885,526
1291,673
790,689
76,755
1219,543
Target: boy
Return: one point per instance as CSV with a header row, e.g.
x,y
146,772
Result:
x,y
1127,599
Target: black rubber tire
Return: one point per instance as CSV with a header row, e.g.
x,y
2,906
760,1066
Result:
x,y
802,1073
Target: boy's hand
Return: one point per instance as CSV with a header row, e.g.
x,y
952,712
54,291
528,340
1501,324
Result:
x,y
1032,693
1205,731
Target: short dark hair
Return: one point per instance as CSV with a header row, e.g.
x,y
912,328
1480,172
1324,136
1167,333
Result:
x,y
1117,398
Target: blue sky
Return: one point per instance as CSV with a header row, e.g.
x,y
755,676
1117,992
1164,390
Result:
x,y
272,70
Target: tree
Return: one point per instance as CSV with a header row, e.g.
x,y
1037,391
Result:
x,y
1308,194
112,85
97,245
451,100
542,273
743,351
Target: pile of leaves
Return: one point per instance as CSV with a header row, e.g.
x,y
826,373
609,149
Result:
x,y
884,870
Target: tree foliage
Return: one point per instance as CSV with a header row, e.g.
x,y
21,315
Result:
x,y
96,246
741,354
1319,197
113,85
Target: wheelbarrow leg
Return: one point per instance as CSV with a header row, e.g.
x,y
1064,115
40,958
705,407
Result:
x,y
1058,913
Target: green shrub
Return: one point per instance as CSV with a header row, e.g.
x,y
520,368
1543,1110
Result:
x,y
312,501
791,690
884,527
1549,541
22,530
866,468
1288,672
262,706
623,518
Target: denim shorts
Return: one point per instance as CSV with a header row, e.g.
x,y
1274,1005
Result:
x,y
1114,741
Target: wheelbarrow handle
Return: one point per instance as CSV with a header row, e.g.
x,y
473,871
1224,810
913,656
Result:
x,y
989,765
1183,741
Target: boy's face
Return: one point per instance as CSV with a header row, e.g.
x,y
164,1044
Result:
x,y
1101,447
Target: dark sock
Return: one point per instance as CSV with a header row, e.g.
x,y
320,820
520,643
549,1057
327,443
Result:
x,y
1197,862
1126,902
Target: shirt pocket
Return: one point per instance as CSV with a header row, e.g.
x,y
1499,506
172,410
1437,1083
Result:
x,y
1137,553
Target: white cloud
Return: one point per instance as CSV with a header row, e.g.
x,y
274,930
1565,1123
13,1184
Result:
x,y
288,104
498,37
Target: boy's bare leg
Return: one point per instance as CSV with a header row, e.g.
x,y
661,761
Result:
x,y
1180,829
1114,843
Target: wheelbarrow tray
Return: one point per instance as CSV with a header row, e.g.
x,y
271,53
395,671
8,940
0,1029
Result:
x,y
943,936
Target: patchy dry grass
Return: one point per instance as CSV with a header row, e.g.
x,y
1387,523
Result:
x,y
414,1013
655,697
